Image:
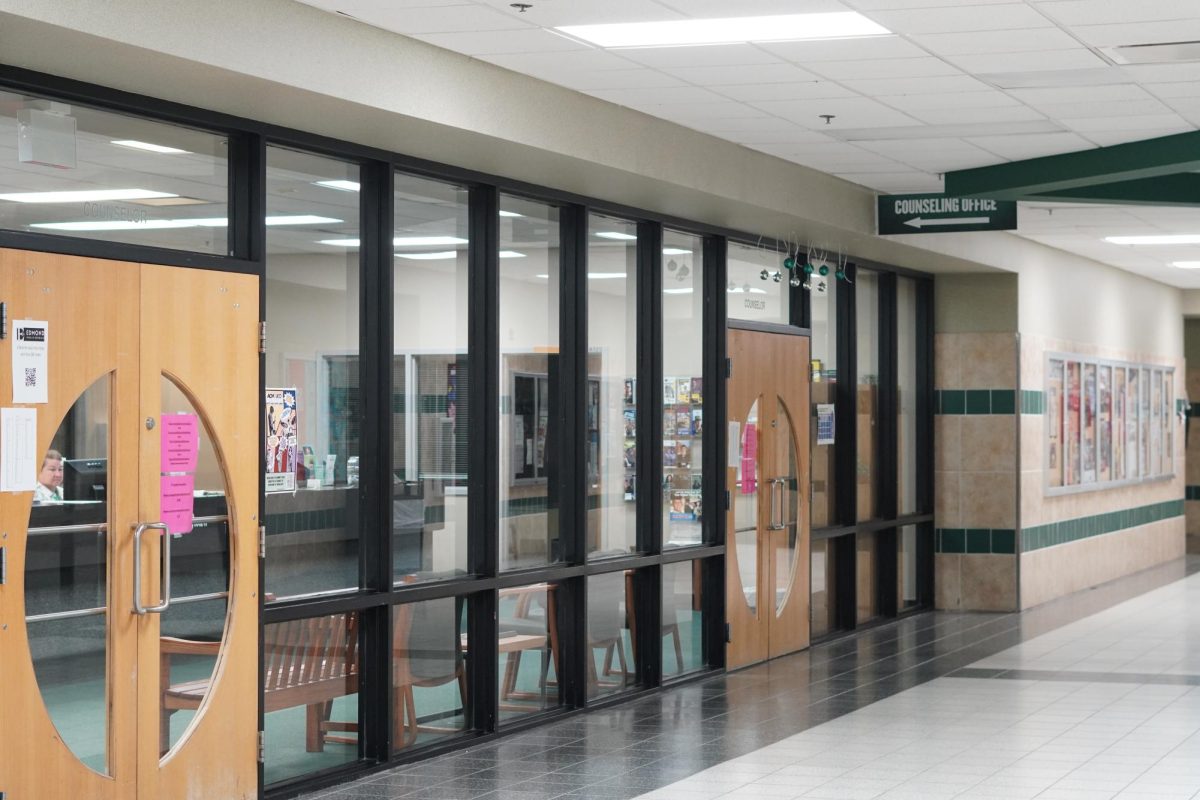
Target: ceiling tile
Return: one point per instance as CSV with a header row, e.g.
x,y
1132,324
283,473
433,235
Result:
x,y
879,5
572,12
959,18
1185,30
1115,108
896,182
822,51
1163,73
591,80
884,68
956,100
440,19
885,88
980,42
850,112
656,96
1172,91
899,150
742,74
355,7
765,92
1109,138
1154,122
1035,61
476,43
699,56
1031,145
1103,12
570,61
977,116
1080,94
716,9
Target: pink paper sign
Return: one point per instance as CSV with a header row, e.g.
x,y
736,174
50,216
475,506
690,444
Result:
x,y
180,442
749,459
176,502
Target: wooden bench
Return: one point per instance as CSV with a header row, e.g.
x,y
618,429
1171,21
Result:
x,y
306,662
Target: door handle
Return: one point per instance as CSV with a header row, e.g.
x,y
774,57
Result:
x,y
164,567
777,483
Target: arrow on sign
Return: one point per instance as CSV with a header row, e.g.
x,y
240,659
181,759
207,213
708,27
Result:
x,y
917,222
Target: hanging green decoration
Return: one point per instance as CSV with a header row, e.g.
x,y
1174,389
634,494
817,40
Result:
x,y
824,270
808,269
789,263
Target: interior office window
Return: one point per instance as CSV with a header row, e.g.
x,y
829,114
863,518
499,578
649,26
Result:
x,y
528,649
757,283
866,575
530,265
429,379
429,671
824,594
611,666
77,171
867,394
906,394
682,389
824,396
611,449
906,564
682,618
313,401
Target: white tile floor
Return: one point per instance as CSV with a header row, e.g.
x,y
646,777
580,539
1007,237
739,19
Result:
x,y
1083,734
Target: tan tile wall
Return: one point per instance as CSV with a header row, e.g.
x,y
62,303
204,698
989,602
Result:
x,y
975,582
1057,571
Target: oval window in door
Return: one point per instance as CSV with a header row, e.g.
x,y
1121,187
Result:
x,y
745,508
787,487
66,576
193,627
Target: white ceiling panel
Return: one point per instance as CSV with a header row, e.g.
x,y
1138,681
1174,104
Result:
x,y
1008,41
701,56
742,74
1109,138
1184,30
1031,145
896,181
886,88
869,49
1080,94
1153,122
569,61
960,18
850,112
904,149
716,9
568,12
636,78
479,43
957,100
662,95
766,92
442,19
883,68
1103,12
1115,108
1034,61
978,116
1163,73
1171,91
356,7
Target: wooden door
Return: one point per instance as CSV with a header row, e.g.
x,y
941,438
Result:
x,y
81,686
767,525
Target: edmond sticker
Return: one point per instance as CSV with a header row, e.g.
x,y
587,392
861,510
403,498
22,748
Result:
x,y
30,338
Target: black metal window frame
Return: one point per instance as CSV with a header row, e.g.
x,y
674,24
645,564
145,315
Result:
x,y
378,593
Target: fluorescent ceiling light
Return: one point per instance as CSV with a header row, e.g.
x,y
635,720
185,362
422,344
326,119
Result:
x,y
168,224
341,186
675,251
153,148
159,202
728,30
504,213
604,276
1186,264
439,256
543,277
86,196
678,291
511,254
624,237
1181,238
426,241
1154,53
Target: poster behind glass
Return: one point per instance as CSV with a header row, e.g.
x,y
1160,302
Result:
x,y
1054,423
1073,422
1133,425
1089,423
1118,433
1104,423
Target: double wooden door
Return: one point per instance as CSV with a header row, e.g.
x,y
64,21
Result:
x,y
767,525
145,449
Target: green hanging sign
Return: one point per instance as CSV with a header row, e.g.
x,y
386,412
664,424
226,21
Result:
x,y
938,213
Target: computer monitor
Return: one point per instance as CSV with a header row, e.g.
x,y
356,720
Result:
x,y
85,478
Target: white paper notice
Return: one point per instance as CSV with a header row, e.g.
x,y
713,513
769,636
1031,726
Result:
x,y
18,449
734,443
29,361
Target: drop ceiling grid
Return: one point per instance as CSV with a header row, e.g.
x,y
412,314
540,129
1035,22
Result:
x,y
1011,79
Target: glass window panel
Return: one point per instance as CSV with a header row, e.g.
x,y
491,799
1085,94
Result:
x,y
611,450
757,284
867,412
314,402
611,666
824,392
429,671
529,327
310,694
528,649
683,388
682,618
75,171
906,581
66,595
824,595
429,379
867,564
906,393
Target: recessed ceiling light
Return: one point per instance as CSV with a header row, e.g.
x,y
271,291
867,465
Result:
x,y
159,202
426,241
678,291
1175,238
604,276
153,148
728,30
448,254
511,254
341,186
84,196
504,213
624,237
675,251
165,224
1154,53
301,219
1186,264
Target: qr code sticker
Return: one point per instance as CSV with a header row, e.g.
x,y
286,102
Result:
x,y
30,376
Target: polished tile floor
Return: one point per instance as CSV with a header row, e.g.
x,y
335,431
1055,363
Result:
x,y
1093,696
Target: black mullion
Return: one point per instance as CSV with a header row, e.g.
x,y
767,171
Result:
x,y
571,415
715,500
845,567
887,451
846,452
483,392
924,443
647,585
247,190
374,492
800,305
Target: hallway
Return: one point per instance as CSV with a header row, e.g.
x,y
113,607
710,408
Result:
x,y
1092,696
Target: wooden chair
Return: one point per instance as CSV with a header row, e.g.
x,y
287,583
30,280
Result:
x,y
525,631
428,651
668,629
306,662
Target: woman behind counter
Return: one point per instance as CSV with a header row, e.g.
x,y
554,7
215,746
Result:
x,y
50,478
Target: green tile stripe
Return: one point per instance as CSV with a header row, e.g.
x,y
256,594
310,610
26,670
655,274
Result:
x,y
974,401
1000,541
1191,493
1033,402
1072,530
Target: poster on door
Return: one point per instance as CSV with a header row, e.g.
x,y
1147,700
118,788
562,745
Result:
x,y
282,452
179,452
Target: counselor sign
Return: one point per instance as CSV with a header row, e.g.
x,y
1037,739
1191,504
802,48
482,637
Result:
x,y
938,213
